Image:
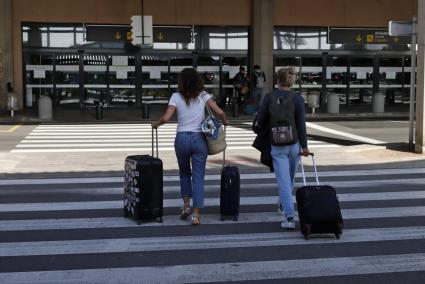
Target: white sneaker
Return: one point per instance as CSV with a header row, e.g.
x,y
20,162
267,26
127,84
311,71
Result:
x,y
279,206
288,224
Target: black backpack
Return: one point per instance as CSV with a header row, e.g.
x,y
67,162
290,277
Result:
x,y
283,129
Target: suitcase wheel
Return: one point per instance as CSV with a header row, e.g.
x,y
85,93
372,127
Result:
x,y
306,230
139,222
339,228
222,218
235,218
160,219
337,236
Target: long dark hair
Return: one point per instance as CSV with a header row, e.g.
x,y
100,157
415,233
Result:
x,y
190,84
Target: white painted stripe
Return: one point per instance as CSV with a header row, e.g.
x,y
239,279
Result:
x,y
118,130
344,134
255,200
201,242
225,272
243,177
103,144
97,145
174,220
121,126
143,124
67,150
145,139
117,136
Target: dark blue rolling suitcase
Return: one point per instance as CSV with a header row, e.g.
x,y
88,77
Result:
x,y
318,207
143,186
229,191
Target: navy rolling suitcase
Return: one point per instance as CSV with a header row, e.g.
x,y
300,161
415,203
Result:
x,y
143,186
318,207
229,191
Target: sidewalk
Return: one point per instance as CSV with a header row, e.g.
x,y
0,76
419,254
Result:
x,y
111,163
116,115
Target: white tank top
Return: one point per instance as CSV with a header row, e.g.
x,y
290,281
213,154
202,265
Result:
x,y
189,116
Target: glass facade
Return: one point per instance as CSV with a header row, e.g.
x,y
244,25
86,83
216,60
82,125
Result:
x,y
59,62
79,73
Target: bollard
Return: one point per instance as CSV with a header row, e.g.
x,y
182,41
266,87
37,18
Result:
x,y
313,100
145,114
45,108
99,111
333,103
378,102
12,104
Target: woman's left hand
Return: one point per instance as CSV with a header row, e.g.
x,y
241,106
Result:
x,y
305,152
154,124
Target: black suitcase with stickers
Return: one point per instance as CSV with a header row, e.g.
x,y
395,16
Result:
x,y
143,186
318,207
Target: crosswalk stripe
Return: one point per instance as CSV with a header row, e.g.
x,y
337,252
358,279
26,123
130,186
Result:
x,y
123,138
129,140
230,142
336,184
258,270
256,200
68,150
200,242
209,177
174,220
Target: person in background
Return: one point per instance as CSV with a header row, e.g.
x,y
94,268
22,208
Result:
x,y
190,144
286,158
259,79
241,84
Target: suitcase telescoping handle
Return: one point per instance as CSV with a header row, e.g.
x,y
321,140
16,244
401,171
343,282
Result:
x,y
224,151
156,135
314,166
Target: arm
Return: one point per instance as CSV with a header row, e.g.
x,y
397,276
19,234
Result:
x,y
218,111
165,117
300,123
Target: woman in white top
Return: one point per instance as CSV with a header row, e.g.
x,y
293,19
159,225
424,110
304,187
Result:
x,y
189,144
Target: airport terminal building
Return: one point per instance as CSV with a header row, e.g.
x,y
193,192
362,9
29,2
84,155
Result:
x,y
80,52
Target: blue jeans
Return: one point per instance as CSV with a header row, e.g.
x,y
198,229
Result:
x,y
285,163
191,148
257,95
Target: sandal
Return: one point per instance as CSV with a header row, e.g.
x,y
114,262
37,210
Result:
x,y
196,220
185,211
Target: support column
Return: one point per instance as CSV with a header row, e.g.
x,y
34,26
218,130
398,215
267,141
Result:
x,y
262,39
6,55
420,85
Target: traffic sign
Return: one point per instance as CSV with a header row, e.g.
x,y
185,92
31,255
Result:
x,y
364,36
398,28
107,32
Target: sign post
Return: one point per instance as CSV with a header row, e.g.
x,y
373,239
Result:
x,y
397,28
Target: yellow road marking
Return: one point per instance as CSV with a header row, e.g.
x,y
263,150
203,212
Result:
x,y
11,129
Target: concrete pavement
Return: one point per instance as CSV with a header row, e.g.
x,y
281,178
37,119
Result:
x,y
380,156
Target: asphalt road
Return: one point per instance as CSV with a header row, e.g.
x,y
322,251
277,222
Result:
x,y
74,230
61,211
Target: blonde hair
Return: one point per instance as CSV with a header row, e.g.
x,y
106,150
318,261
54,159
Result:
x,y
286,77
